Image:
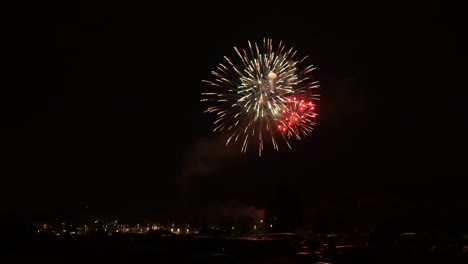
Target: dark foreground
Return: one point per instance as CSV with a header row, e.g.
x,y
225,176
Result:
x,y
273,248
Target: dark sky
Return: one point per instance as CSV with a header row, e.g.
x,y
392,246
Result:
x,y
101,109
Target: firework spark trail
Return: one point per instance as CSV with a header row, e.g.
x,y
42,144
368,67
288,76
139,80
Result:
x,y
265,96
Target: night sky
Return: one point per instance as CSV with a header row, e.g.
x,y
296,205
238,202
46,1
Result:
x,y
102,112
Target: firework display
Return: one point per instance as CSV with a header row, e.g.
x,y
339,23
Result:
x,y
266,95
